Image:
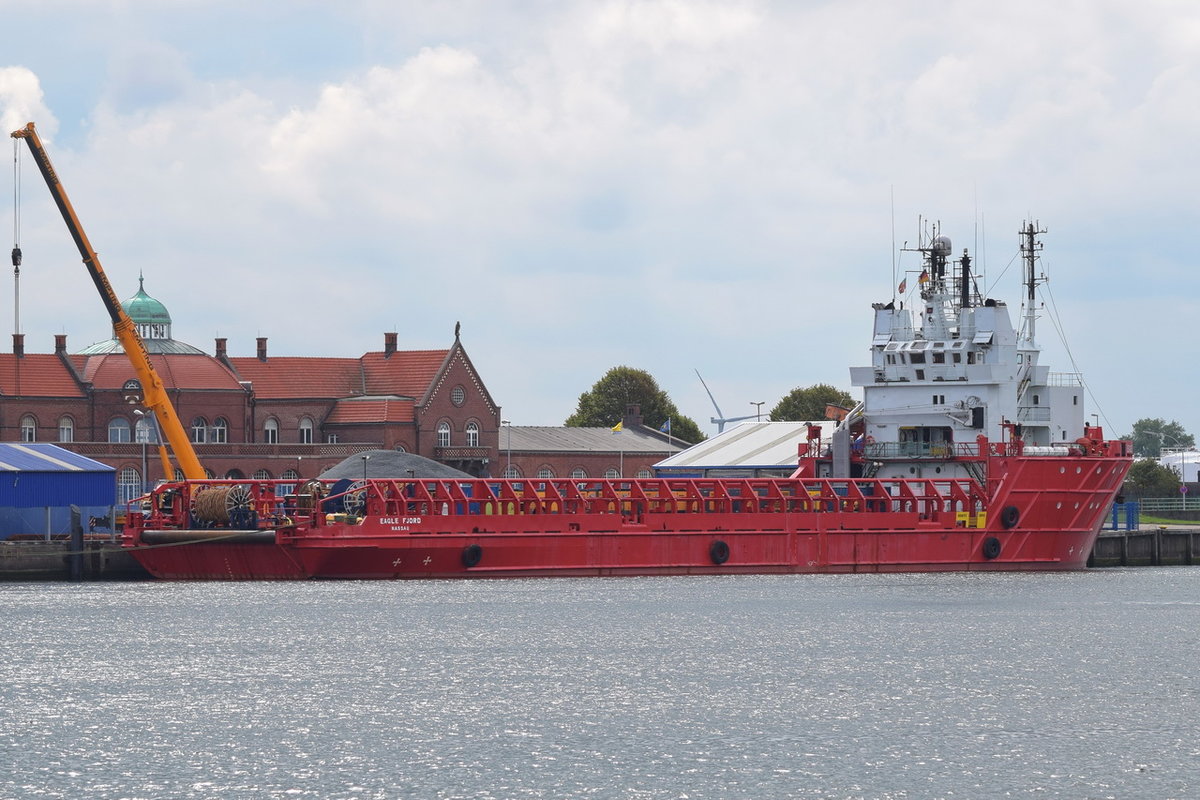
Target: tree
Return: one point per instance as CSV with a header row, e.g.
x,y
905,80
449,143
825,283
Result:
x,y
808,405
604,405
1151,435
1148,478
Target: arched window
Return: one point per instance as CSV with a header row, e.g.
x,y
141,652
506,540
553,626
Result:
x,y
611,473
220,430
28,428
306,430
262,475
443,434
199,430
234,475
129,481
545,472
118,429
578,472
472,434
511,471
271,431
141,430
66,429
644,473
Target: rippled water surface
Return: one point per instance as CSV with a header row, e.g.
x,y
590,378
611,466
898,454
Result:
x,y
960,685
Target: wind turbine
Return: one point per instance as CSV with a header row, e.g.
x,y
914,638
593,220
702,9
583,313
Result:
x,y
719,420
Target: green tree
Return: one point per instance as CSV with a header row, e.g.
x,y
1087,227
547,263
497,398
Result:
x,y
808,404
1151,435
604,405
1148,478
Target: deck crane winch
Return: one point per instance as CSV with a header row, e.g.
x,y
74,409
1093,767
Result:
x,y
154,393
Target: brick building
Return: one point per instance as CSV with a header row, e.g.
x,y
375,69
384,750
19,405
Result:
x,y
263,416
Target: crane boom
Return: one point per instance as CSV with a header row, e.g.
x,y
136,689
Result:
x,y
154,393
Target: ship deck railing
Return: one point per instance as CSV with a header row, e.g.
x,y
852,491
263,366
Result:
x,y
255,505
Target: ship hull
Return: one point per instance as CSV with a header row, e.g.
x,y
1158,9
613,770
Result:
x,y
1039,514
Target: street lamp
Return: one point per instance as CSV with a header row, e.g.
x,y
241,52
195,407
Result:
x,y
758,410
364,459
142,431
508,465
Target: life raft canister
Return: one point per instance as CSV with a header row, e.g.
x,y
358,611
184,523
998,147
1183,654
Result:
x,y
471,555
718,552
1010,516
991,547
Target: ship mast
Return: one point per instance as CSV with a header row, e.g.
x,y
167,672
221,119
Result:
x,y
1030,247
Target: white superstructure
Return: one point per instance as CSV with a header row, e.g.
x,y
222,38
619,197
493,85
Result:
x,y
955,368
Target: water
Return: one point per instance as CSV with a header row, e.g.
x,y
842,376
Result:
x,y
897,686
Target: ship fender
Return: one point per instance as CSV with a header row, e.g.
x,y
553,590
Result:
x,y
1010,516
471,555
718,551
991,546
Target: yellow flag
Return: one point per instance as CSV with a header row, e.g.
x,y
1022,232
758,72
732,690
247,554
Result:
x,y
618,427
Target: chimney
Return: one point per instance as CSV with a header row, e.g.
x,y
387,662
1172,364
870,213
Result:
x,y
633,415
19,345
60,344
389,343
262,348
221,342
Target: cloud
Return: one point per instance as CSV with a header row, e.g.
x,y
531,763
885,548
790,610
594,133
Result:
x,y
22,101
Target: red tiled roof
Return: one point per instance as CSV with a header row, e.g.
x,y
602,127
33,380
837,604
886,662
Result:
x,y
375,409
405,372
111,370
36,375
298,377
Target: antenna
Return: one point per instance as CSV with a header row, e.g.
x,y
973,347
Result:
x,y
16,251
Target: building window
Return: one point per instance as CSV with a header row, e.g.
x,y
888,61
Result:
x,y
66,429
306,430
199,430
271,431
577,473
129,482
220,431
118,429
331,438
511,472
443,434
545,472
458,395
28,429
141,430
644,473
611,473
234,475
472,434
262,475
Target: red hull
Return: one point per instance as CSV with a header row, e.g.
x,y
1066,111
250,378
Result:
x,y
1042,513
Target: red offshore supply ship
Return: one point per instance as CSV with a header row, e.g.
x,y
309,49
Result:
x,y
965,454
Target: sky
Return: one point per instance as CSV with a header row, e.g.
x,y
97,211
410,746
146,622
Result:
x,y
719,188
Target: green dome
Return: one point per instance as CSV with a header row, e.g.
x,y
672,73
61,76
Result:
x,y
143,309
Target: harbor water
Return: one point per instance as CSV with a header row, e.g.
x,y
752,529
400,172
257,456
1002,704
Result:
x,y
1077,685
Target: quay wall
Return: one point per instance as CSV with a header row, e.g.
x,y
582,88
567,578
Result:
x,y
1147,547
53,561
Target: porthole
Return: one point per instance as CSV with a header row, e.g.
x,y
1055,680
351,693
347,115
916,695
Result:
x,y
458,395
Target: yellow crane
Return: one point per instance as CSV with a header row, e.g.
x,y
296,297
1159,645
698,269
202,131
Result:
x,y
154,394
